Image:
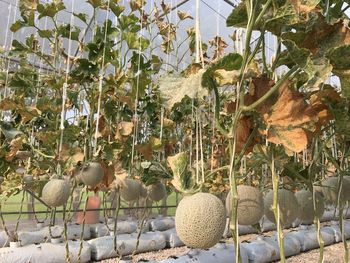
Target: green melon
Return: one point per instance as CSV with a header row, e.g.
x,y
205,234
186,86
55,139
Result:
x,y
157,192
288,206
92,174
330,193
306,207
250,205
129,189
200,220
56,192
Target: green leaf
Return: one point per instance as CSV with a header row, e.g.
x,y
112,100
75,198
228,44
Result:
x,y
232,61
239,16
18,46
83,17
116,9
95,3
135,42
17,26
340,57
50,9
45,33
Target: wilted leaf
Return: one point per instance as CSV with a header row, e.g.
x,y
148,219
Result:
x,y
261,85
125,128
319,101
15,146
290,119
224,77
219,46
243,130
146,150
183,15
174,88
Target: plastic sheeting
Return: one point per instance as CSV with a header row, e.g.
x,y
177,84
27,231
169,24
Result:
x,y
4,239
171,238
220,253
308,238
162,224
103,247
43,235
291,246
123,227
46,252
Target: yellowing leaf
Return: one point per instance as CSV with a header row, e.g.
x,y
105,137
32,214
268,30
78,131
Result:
x,y
290,120
224,77
174,88
125,128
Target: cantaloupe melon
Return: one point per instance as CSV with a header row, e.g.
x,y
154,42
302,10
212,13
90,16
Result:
x,y
200,220
306,206
330,190
288,206
129,189
56,192
250,205
157,192
92,174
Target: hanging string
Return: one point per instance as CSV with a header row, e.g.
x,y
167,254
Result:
x,y
135,134
65,85
8,59
101,82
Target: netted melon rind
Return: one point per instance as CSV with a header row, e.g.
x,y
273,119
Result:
x,y
306,206
288,206
200,220
56,192
157,192
329,190
130,189
92,174
250,205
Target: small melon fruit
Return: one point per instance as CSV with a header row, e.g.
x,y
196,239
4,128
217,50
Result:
x,y
129,189
329,190
92,174
200,220
157,192
250,205
287,203
306,206
56,192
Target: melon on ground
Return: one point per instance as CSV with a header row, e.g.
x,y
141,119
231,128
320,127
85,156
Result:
x,y
157,192
56,192
330,190
92,174
306,206
250,205
200,220
288,206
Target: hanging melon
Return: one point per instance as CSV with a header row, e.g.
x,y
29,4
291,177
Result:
x,y
200,220
129,189
250,205
92,174
330,190
306,206
157,192
56,192
287,203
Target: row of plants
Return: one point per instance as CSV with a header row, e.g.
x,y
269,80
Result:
x,y
115,111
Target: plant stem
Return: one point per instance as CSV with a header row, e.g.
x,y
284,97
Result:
x,y
276,210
